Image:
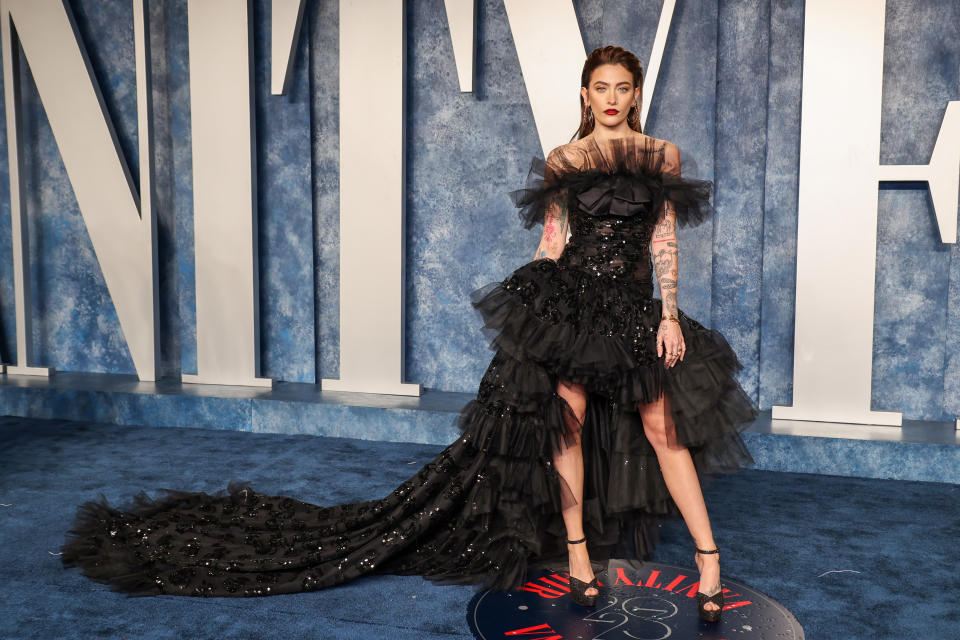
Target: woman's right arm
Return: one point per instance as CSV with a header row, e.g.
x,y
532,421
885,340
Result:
x,y
555,216
555,224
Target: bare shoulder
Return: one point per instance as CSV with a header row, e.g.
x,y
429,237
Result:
x,y
668,147
565,157
562,152
654,143
671,157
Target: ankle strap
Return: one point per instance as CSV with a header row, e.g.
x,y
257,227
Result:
x,y
712,551
583,539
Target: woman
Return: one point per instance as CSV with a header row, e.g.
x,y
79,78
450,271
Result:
x,y
595,415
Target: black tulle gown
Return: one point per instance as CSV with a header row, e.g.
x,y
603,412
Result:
x,y
490,504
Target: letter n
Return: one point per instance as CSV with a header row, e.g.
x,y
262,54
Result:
x,y
120,222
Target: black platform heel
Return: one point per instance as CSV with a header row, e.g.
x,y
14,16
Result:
x,y
717,598
578,587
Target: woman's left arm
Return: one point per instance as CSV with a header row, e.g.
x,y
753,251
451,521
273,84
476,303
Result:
x,y
663,247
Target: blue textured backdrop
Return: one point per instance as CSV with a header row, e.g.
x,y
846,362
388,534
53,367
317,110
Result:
x,y
728,95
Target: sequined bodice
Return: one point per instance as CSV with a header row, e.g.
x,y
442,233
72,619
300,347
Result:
x,y
611,224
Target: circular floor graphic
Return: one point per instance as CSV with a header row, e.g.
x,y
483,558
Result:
x,y
638,601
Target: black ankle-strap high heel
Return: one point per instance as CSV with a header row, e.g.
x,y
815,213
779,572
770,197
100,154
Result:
x,y
717,598
578,587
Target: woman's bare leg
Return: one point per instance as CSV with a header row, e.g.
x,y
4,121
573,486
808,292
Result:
x,y
569,463
681,479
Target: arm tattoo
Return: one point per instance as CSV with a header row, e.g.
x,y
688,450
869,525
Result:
x,y
554,229
665,227
666,258
549,230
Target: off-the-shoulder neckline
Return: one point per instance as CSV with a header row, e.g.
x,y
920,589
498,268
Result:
x,y
638,140
630,154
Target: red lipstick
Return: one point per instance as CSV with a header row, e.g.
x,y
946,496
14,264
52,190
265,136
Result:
x,y
611,112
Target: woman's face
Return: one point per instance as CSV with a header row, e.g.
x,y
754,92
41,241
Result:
x,y
610,94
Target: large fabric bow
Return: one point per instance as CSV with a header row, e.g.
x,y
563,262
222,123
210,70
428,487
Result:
x,y
618,195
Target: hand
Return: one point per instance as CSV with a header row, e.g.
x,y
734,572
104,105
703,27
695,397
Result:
x,y
670,343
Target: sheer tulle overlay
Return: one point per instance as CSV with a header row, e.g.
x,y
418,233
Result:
x,y
490,504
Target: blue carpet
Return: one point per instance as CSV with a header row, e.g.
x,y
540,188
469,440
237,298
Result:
x,y
851,558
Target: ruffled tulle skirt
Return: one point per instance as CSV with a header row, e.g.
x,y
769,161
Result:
x,y
490,504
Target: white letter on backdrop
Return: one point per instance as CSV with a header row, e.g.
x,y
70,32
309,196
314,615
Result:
x,y
286,18
372,54
224,193
838,199
551,54
462,21
121,224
